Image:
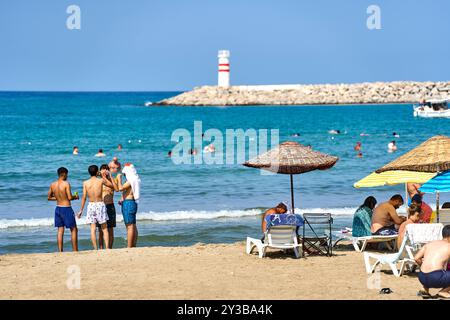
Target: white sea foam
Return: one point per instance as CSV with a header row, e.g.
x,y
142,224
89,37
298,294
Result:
x,y
171,216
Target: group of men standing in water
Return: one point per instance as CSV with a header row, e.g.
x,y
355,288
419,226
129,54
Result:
x,y
99,189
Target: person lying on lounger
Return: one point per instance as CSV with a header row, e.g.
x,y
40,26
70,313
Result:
x,y
433,259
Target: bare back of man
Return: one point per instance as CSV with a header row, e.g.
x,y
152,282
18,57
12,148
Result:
x,y
96,211
385,215
435,256
60,190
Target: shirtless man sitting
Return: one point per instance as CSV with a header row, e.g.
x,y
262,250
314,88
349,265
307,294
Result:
x,y
96,211
279,209
60,192
433,259
385,220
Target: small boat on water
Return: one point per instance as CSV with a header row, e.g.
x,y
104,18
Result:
x,y
436,108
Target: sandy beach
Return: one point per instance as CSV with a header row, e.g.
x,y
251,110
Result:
x,y
212,271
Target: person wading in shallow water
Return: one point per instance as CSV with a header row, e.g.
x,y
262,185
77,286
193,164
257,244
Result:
x,y
60,192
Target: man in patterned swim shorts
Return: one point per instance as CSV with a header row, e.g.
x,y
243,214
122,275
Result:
x,y
96,211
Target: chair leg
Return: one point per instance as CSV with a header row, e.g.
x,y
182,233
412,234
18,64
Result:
x,y
296,252
355,245
394,269
262,252
364,245
369,269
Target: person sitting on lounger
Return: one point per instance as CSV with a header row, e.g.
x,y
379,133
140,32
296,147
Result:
x,y
414,214
433,259
363,218
385,220
279,209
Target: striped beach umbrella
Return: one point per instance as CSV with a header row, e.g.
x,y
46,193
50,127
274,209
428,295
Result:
x,y
438,184
292,158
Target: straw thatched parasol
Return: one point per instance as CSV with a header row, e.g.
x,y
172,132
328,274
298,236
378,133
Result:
x,y
292,158
432,155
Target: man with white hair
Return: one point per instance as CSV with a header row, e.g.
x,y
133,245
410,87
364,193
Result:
x,y
130,196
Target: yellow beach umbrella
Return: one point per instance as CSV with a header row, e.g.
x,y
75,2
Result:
x,y
391,178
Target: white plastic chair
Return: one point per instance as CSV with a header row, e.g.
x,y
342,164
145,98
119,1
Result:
x,y
421,234
278,237
391,259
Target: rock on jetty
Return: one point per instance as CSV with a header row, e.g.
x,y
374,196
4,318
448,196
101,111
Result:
x,y
358,93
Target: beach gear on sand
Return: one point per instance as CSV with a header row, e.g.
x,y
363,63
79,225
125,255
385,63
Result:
x,y
415,235
315,241
278,237
133,178
386,291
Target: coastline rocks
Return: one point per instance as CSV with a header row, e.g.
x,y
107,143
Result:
x,y
311,94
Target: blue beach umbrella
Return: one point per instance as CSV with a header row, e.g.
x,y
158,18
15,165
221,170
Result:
x,y
440,183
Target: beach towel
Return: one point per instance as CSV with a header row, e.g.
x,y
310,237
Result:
x,y
421,233
284,220
133,178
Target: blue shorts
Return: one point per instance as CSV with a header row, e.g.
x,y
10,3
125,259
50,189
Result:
x,y
65,217
437,279
129,210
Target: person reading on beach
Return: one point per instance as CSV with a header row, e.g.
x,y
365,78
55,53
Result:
x,y
414,213
385,220
96,211
100,153
279,209
130,195
433,259
363,218
61,192
108,199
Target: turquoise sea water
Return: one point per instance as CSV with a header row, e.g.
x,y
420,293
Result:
x,y
184,204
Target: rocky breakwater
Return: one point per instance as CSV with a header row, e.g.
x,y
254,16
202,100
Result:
x,y
358,93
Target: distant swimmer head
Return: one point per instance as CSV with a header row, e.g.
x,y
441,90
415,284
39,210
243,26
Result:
x,y
119,147
75,150
63,173
93,170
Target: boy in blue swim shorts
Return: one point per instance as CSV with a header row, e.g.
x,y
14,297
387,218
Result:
x,y
60,192
433,259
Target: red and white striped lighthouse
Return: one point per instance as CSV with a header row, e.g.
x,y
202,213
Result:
x,y
224,68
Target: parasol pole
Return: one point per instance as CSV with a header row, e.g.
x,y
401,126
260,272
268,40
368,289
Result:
x,y
437,206
292,194
406,193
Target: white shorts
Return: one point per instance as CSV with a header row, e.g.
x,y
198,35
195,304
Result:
x,y
96,213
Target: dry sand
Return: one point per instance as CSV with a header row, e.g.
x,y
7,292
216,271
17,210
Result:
x,y
213,271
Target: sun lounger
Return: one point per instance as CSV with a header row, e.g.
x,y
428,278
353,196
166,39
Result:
x,y
278,237
444,216
415,236
421,234
391,259
360,243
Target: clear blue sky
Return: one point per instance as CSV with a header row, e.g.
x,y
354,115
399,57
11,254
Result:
x,y
172,44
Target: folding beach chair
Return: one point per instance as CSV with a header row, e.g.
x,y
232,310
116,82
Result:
x,y
312,242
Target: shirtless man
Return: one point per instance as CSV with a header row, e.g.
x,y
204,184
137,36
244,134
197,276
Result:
x,y
96,212
413,189
385,220
60,192
130,195
108,199
433,259
279,209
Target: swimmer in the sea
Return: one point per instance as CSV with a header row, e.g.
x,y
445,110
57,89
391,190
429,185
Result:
x,y
100,153
119,147
358,146
334,132
75,150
